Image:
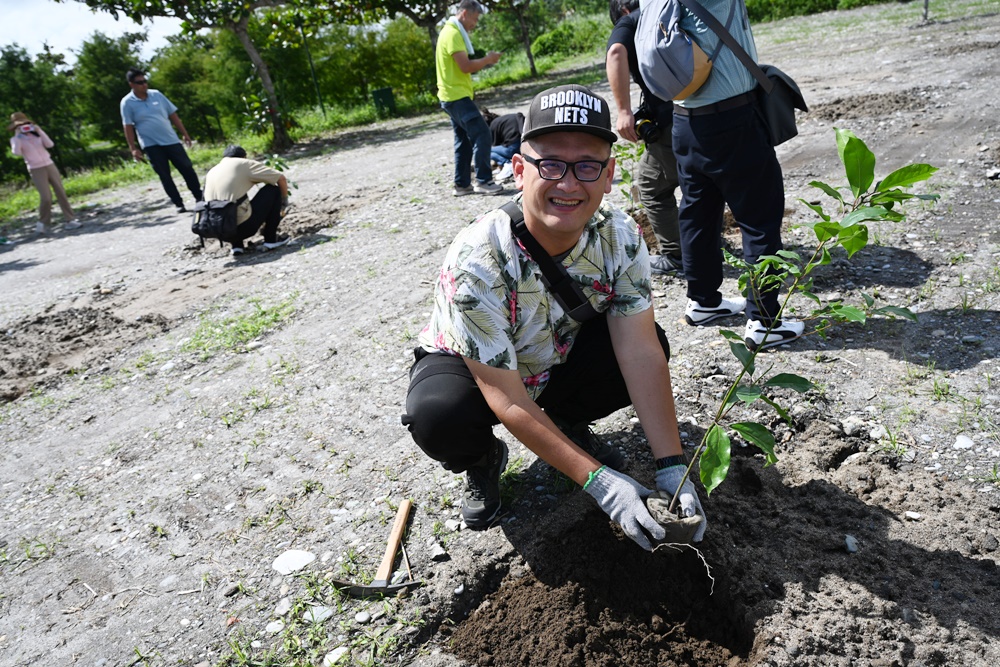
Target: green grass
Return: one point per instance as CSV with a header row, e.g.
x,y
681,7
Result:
x,y
233,332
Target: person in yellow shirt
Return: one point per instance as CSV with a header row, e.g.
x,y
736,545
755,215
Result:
x,y
455,65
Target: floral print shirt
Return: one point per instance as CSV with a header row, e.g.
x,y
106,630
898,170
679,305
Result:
x,y
490,303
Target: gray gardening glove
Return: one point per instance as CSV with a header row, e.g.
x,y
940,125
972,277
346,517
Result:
x,y
621,497
668,480
284,206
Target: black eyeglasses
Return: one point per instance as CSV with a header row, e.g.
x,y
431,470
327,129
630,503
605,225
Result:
x,y
140,83
551,169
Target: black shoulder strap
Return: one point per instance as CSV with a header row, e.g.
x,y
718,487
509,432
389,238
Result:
x,y
567,291
730,41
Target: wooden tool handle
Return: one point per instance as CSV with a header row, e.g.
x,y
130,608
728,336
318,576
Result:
x,y
395,537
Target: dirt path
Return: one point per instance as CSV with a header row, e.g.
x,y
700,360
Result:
x,y
154,469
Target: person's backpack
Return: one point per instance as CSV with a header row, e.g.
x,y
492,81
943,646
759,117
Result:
x,y
216,219
672,65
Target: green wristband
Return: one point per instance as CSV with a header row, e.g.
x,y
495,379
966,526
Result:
x,y
592,476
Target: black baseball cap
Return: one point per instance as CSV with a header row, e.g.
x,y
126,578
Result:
x,y
568,108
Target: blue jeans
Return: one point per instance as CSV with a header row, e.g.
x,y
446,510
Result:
x,y
502,154
472,141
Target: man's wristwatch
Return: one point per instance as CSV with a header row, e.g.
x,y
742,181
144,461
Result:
x,y
668,461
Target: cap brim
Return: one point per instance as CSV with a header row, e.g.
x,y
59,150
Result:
x,y
607,135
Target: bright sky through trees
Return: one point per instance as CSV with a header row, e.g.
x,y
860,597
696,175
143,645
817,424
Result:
x,y
65,26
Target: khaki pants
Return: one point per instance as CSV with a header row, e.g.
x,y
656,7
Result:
x,y
47,179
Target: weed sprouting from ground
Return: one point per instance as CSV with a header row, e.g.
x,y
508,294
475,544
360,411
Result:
x,y
235,331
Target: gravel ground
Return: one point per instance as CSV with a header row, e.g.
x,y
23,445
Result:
x,y
176,419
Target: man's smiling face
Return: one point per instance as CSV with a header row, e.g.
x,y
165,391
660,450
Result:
x,y
556,212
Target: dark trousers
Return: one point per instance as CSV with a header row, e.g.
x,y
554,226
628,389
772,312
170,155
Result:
x,y
265,208
160,159
656,177
451,421
722,158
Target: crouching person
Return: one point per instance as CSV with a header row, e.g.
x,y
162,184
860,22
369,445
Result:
x,y
501,347
232,179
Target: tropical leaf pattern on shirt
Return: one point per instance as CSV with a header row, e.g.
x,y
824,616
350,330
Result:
x,y
491,305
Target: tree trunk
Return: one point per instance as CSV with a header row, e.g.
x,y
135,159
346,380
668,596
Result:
x,y
281,140
526,36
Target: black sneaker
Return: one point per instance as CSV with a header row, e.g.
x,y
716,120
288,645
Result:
x,y
181,208
481,503
584,438
665,265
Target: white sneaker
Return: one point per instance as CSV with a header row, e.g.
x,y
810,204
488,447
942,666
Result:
x,y
42,228
73,224
697,315
490,188
756,334
506,173
276,243
237,251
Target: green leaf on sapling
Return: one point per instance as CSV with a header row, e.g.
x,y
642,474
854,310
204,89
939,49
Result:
x,y
896,311
859,162
833,192
745,356
853,238
790,381
715,458
826,230
847,313
757,434
747,393
906,176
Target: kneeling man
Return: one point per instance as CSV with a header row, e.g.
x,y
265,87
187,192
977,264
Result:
x,y
232,179
501,348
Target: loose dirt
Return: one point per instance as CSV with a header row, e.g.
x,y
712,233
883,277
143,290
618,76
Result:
x,y
153,469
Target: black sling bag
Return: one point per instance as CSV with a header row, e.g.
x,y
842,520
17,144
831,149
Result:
x,y
567,291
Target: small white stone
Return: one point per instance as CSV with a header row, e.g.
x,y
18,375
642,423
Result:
x,y
185,622
460,589
453,525
274,627
850,543
913,516
283,607
963,442
335,655
317,614
292,561
362,617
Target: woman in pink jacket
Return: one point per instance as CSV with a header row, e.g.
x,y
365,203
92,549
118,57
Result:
x,y
30,142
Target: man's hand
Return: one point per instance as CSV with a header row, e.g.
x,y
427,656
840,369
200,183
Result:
x,y
284,206
138,155
187,141
626,125
493,57
668,480
621,497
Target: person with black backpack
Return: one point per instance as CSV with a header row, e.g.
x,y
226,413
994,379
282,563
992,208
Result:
x,y
651,122
230,214
543,322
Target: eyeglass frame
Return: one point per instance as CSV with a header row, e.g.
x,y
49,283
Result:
x,y
536,162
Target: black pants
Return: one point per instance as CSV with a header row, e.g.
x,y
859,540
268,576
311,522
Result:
x,y
722,158
265,207
451,421
160,159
